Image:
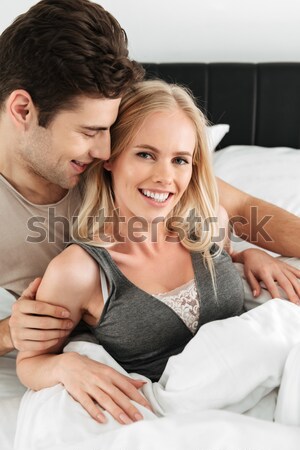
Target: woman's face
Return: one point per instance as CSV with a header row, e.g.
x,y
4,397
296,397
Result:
x,y
152,173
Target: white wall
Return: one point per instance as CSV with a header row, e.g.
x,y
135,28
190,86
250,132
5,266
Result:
x,y
200,30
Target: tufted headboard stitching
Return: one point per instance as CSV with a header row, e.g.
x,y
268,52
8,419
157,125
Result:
x,y
260,102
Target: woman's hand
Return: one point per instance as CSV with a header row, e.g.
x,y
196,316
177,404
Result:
x,y
92,383
261,267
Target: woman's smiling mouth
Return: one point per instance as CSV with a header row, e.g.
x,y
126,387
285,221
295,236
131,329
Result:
x,y
157,197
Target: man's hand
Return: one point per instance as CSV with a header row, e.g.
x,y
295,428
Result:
x,y
36,325
90,383
261,267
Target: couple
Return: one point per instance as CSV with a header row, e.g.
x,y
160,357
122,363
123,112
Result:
x,y
57,111
152,287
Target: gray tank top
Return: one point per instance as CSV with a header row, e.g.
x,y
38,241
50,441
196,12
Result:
x,y
140,332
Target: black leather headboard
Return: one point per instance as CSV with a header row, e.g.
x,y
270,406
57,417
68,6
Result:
x,y
260,102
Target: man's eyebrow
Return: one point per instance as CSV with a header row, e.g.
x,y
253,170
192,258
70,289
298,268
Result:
x,y
155,150
94,128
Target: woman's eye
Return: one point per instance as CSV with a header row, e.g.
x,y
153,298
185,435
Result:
x,y
144,155
180,161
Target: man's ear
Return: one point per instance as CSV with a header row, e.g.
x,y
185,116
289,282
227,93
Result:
x,y
20,108
107,165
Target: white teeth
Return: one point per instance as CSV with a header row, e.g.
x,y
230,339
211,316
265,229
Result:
x,y
79,163
157,197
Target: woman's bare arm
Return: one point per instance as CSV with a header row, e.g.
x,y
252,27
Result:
x,y
72,280
64,284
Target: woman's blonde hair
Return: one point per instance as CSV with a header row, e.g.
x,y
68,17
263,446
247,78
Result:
x,y
198,205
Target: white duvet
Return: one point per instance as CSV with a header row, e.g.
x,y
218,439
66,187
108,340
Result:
x,y
220,393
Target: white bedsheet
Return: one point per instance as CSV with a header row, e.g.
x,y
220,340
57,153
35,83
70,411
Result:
x,y
204,400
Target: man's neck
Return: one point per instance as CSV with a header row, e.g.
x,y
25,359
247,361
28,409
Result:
x,y
32,187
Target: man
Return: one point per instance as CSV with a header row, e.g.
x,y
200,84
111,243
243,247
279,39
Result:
x,y
64,66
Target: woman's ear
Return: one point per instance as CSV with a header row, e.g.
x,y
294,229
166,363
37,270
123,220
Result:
x,y
20,108
107,165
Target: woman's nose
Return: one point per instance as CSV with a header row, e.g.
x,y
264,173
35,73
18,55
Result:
x,y
162,174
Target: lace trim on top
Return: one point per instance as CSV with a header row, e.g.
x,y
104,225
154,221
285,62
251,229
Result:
x,y
185,303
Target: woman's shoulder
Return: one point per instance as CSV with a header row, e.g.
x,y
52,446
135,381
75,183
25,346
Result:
x,y
71,280
73,266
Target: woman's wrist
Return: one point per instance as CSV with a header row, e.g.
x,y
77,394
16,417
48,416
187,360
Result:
x,y
62,366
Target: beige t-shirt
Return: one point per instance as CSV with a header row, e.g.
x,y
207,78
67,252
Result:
x,y
31,235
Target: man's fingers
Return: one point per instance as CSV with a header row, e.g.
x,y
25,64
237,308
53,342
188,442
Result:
x,y
271,287
33,321
254,284
286,282
31,290
293,269
41,323
30,334
294,281
39,308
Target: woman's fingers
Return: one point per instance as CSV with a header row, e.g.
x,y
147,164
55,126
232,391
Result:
x,y
104,385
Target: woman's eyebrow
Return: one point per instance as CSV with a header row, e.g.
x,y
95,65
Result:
x,y
155,150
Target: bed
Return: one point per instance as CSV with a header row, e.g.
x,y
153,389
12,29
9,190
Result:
x,y
255,110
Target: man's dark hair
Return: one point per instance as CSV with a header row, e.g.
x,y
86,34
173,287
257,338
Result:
x,y
60,49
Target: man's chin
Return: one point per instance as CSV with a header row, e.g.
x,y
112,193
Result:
x,y
70,183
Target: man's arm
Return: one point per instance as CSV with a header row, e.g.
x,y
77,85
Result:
x,y
260,222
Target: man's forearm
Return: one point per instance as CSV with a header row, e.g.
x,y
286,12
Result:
x,y
260,222
6,344
269,227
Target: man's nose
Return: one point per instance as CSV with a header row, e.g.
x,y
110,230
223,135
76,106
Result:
x,y
101,147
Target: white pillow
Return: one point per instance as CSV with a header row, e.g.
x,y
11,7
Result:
x,y
215,134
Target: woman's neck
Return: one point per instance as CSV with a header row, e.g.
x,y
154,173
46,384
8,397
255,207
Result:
x,y
133,236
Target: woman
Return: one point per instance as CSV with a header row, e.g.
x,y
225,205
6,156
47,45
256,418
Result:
x,y
143,271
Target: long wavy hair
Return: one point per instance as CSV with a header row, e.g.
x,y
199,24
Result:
x,y
198,206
